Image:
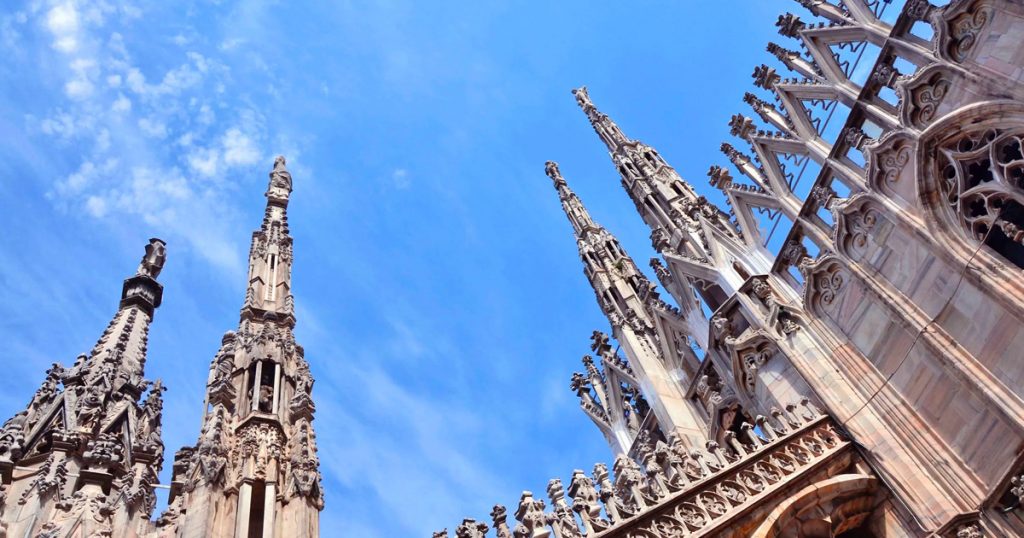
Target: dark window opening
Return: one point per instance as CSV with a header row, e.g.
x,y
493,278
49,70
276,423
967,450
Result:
x,y
1013,214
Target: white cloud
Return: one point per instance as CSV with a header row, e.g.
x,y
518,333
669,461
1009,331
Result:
x,y
78,88
62,21
153,128
122,104
239,148
400,178
96,206
232,43
204,161
114,81
103,141
205,115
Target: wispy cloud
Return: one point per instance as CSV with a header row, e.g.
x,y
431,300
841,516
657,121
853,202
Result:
x,y
109,98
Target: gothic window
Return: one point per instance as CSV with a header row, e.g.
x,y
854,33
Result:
x,y
982,182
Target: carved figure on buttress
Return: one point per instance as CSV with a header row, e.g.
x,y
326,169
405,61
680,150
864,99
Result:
x,y
304,380
153,412
90,404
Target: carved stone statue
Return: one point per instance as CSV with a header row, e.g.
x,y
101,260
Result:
x,y
280,177
153,261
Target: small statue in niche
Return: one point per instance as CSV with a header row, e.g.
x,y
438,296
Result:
x,y
266,398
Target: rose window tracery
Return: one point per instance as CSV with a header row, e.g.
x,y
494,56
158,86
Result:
x,y
982,179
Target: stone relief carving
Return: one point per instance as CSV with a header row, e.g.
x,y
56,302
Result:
x,y
925,98
965,29
857,219
829,285
891,163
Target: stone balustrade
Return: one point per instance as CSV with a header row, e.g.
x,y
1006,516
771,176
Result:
x,y
675,492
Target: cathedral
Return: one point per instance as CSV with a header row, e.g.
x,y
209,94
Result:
x,y
863,379
840,353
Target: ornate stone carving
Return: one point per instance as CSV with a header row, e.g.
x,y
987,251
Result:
x,y
859,226
105,450
470,528
917,9
531,517
262,442
829,284
925,99
965,29
765,77
891,163
790,25
499,517
153,261
793,252
969,530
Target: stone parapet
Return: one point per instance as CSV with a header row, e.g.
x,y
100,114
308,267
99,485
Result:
x,y
718,492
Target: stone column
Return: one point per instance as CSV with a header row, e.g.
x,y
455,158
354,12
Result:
x,y
277,388
244,507
256,385
269,502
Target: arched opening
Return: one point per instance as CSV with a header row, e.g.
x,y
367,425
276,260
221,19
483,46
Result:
x,y
834,507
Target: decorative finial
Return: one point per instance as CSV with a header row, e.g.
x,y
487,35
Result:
x,y
790,25
153,261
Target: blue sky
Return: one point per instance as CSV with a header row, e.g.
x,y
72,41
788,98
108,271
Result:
x,y
440,299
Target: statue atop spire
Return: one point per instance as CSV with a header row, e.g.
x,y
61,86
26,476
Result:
x,y
551,169
280,176
610,134
153,261
280,181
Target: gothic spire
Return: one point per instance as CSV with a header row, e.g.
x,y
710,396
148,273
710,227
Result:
x,y
122,347
668,204
94,445
571,204
270,255
258,396
601,253
610,134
